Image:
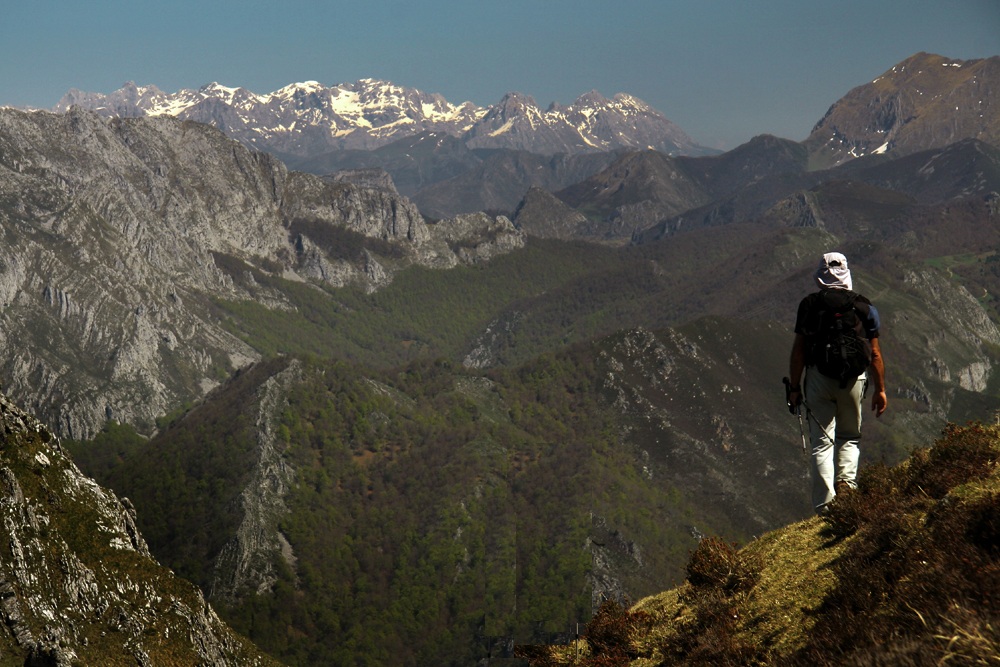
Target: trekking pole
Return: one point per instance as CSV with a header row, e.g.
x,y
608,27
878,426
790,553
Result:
x,y
802,432
795,410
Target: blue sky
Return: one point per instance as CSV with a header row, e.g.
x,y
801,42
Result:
x,y
724,70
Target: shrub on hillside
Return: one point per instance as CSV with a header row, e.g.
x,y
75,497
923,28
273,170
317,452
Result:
x,y
876,497
962,455
716,563
611,633
720,576
610,638
713,638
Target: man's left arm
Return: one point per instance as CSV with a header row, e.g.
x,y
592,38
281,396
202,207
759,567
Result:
x,y
796,365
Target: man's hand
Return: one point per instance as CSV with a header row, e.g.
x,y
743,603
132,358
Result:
x,y
879,402
793,396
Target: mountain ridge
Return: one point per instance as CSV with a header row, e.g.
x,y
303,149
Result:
x,y
303,120
452,159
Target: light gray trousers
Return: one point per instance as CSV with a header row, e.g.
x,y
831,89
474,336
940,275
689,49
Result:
x,y
834,416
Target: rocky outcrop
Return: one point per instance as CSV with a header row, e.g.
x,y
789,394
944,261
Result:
x,y
377,179
953,328
374,213
799,210
486,349
612,556
77,582
470,239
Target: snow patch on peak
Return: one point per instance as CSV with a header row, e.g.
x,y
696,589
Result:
x,y
297,89
628,101
216,87
225,93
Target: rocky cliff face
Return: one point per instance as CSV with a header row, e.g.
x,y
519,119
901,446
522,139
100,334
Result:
x,y
120,234
77,582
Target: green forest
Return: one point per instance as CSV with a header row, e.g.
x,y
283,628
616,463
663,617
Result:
x,y
434,510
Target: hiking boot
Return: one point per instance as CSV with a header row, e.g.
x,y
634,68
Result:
x,y
842,487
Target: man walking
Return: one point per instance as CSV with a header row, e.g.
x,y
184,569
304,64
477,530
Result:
x,y
836,346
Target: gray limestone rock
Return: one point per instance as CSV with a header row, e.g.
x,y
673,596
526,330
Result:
x,y
122,235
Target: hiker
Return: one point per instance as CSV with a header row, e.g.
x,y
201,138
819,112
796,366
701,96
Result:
x,y
836,345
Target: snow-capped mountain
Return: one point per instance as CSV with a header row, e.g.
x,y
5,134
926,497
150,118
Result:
x,y
591,123
308,119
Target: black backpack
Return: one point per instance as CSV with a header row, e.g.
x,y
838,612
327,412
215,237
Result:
x,y
839,346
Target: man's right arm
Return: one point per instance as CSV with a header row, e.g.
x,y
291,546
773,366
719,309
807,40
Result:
x,y
879,399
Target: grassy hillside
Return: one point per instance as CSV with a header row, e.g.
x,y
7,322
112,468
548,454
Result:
x,y
903,571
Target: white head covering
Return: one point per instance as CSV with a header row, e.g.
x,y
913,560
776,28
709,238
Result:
x,y
833,272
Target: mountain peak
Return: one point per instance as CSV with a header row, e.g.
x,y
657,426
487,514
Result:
x,y
517,100
296,90
926,101
593,99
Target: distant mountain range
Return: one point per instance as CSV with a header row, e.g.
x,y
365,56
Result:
x,y
450,159
303,120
